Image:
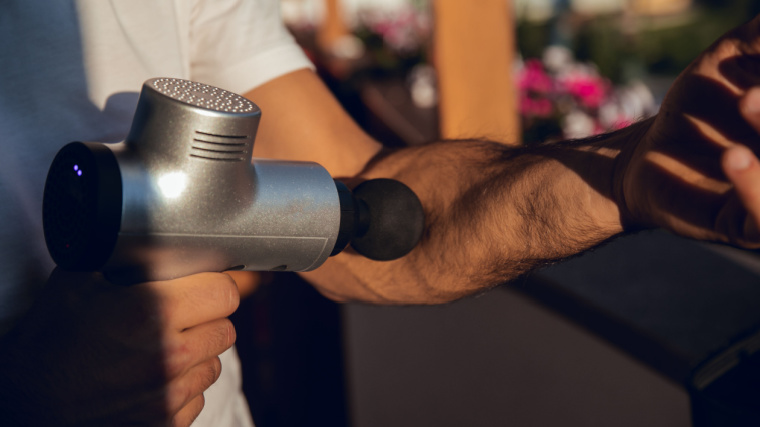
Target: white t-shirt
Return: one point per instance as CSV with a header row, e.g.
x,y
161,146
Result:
x,y
71,70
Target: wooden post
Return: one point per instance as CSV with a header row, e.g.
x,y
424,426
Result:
x,y
333,26
660,7
474,50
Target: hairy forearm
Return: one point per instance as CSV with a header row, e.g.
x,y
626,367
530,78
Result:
x,y
492,214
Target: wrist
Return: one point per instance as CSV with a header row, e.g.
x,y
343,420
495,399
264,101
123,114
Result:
x,y
595,175
631,146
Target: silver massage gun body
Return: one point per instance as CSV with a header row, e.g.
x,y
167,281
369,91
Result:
x,y
181,195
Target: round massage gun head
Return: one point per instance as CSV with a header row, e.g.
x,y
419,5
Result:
x,y
383,219
181,121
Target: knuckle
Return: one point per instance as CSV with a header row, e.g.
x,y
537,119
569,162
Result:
x,y
231,294
223,291
189,413
164,304
166,311
198,404
231,334
177,359
217,339
217,362
205,374
730,46
224,335
212,372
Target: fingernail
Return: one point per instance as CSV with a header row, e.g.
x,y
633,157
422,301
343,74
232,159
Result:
x,y
753,101
738,158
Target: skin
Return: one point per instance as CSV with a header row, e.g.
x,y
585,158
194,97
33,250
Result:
x,y
133,355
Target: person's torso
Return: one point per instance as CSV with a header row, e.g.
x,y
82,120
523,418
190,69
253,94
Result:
x,y
72,70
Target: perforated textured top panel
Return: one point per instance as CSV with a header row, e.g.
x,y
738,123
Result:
x,y
203,95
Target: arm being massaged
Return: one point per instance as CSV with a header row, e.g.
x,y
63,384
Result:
x,y
495,212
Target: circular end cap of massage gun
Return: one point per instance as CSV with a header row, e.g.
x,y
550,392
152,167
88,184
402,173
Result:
x,y
81,206
383,219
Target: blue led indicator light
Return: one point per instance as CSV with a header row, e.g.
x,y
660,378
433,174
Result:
x,y
76,167
79,173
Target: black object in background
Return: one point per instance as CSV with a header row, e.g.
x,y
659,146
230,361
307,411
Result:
x,y
289,341
688,310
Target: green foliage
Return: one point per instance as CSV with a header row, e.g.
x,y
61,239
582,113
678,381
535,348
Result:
x,y
623,46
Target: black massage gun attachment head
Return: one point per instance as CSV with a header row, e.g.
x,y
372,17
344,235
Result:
x,y
383,219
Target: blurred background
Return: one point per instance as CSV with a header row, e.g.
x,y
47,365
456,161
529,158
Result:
x,y
513,71
581,66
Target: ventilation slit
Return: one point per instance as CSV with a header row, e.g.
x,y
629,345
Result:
x,y
212,146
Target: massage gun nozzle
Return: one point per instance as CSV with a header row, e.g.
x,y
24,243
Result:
x,y
382,219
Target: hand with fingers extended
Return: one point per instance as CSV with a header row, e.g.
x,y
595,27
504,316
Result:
x,y
694,171
93,353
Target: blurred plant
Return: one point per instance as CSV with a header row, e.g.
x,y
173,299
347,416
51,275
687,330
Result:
x,y
395,40
386,40
562,98
423,86
404,31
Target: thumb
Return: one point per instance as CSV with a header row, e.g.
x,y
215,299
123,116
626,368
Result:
x,y
743,170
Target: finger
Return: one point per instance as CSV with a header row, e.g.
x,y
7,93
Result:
x,y
184,390
743,170
189,413
247,281
196,299
749,106
197,345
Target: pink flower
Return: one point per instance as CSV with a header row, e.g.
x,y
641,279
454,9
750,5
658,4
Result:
x,y
535,107
532,77
536,87
589,89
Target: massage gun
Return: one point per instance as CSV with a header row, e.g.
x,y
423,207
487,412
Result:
x,y
181,195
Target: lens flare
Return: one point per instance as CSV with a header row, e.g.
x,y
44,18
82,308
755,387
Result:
x,y
172,184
